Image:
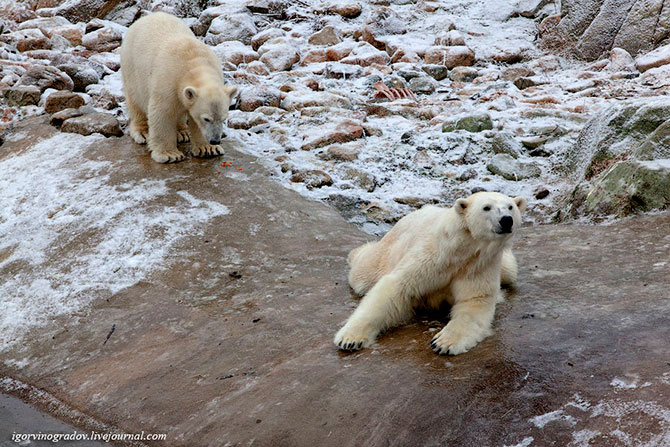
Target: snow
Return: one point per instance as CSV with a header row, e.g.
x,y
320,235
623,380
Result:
x,y
54,196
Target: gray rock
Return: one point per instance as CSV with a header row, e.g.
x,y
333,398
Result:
x,y
312,178
472,123
22,95
97,122
504,143
437,72
463,74
423,85
510,169
239,27
58,118
342,153
361,179
81,76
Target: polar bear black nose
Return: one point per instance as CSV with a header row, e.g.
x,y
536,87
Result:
x,y
506,224
215,141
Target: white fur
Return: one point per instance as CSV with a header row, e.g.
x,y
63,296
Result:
x,y
433,255
174,86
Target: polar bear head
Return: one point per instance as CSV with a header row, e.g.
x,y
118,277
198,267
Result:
x,y
491,215
208,107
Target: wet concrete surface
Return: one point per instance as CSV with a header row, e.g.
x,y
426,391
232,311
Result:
x,y
231,344
18,418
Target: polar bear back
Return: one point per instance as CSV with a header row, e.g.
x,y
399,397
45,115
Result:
x,y
158,51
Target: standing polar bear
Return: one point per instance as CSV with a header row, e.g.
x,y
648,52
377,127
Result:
x,y
459,255
174,86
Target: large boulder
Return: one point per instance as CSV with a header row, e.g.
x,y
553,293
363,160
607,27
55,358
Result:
x,y
240,27
593,27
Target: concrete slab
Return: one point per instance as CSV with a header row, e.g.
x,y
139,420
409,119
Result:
x,y
231,343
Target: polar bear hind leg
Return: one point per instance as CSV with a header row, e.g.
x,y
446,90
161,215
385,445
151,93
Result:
x,y
363,268
139,129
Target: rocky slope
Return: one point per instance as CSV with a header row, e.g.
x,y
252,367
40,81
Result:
x,y
378,107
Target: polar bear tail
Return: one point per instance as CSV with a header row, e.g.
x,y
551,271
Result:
x,y
363,268
509,268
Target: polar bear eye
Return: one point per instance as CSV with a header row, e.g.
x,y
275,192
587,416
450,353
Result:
x,y
207,120
510,208
487,208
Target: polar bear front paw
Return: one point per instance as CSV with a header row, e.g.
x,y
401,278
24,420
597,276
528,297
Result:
x,y
167,156
352,338
451,341
183,136
207,150
139,136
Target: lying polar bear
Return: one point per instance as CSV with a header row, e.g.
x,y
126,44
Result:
x,y
173,82
459,255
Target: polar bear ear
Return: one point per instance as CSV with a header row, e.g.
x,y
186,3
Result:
x,y
520,203
190,93
461,206
231,90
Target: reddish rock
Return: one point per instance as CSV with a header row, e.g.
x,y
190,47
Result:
x,y
31,39
365,55
327,36
259,39
408,56
342,153
62,100
348,10
73,33
339,51
258,68
346,130
103,39
235,52
46,76
314,56
450,56
254,97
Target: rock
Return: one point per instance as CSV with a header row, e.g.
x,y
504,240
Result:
x,y
580,85
630,187
44,24
58,118
541,193
22,95
259,39
343,132
463,74
636,128
660,56
81,77
511,73
362,179
530,8
402,55
596,26
347,10
238,27
423,85
414,202
31,39
339,51
450,57
73,33
279,54
408,75
97,122
312,178
342,153
365,55
437,72
246,120
504,143
338,70
297,100
104,39
450,38
258,68
327,36
526,82
252,98
235,53
510,169
46,76
472,123
314,56
62,100
84,10
620,60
